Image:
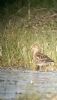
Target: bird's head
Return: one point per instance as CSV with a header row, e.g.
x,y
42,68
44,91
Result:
x,y
35,48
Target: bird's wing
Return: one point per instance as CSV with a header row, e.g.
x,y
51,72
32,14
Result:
x,y
44,58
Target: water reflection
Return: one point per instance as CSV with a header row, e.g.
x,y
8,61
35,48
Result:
x,y
18,82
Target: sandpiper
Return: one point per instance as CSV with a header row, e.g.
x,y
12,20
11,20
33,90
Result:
x,y
40,59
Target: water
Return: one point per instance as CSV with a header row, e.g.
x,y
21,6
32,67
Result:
x,y
17,82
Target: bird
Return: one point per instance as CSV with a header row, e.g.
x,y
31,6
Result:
x,y
40,59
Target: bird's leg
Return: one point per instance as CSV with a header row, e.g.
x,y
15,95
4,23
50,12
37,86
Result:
x,y
38,68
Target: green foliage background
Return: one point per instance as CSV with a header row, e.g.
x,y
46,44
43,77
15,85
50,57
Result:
x,y
18,33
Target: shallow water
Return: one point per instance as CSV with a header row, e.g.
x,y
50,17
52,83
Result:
x,y
17,82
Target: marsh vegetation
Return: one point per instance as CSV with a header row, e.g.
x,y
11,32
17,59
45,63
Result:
x,y
18,33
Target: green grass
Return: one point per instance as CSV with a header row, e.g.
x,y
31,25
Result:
x,y
20,33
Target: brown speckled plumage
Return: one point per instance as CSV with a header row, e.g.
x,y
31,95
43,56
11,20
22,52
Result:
x,y
39,58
